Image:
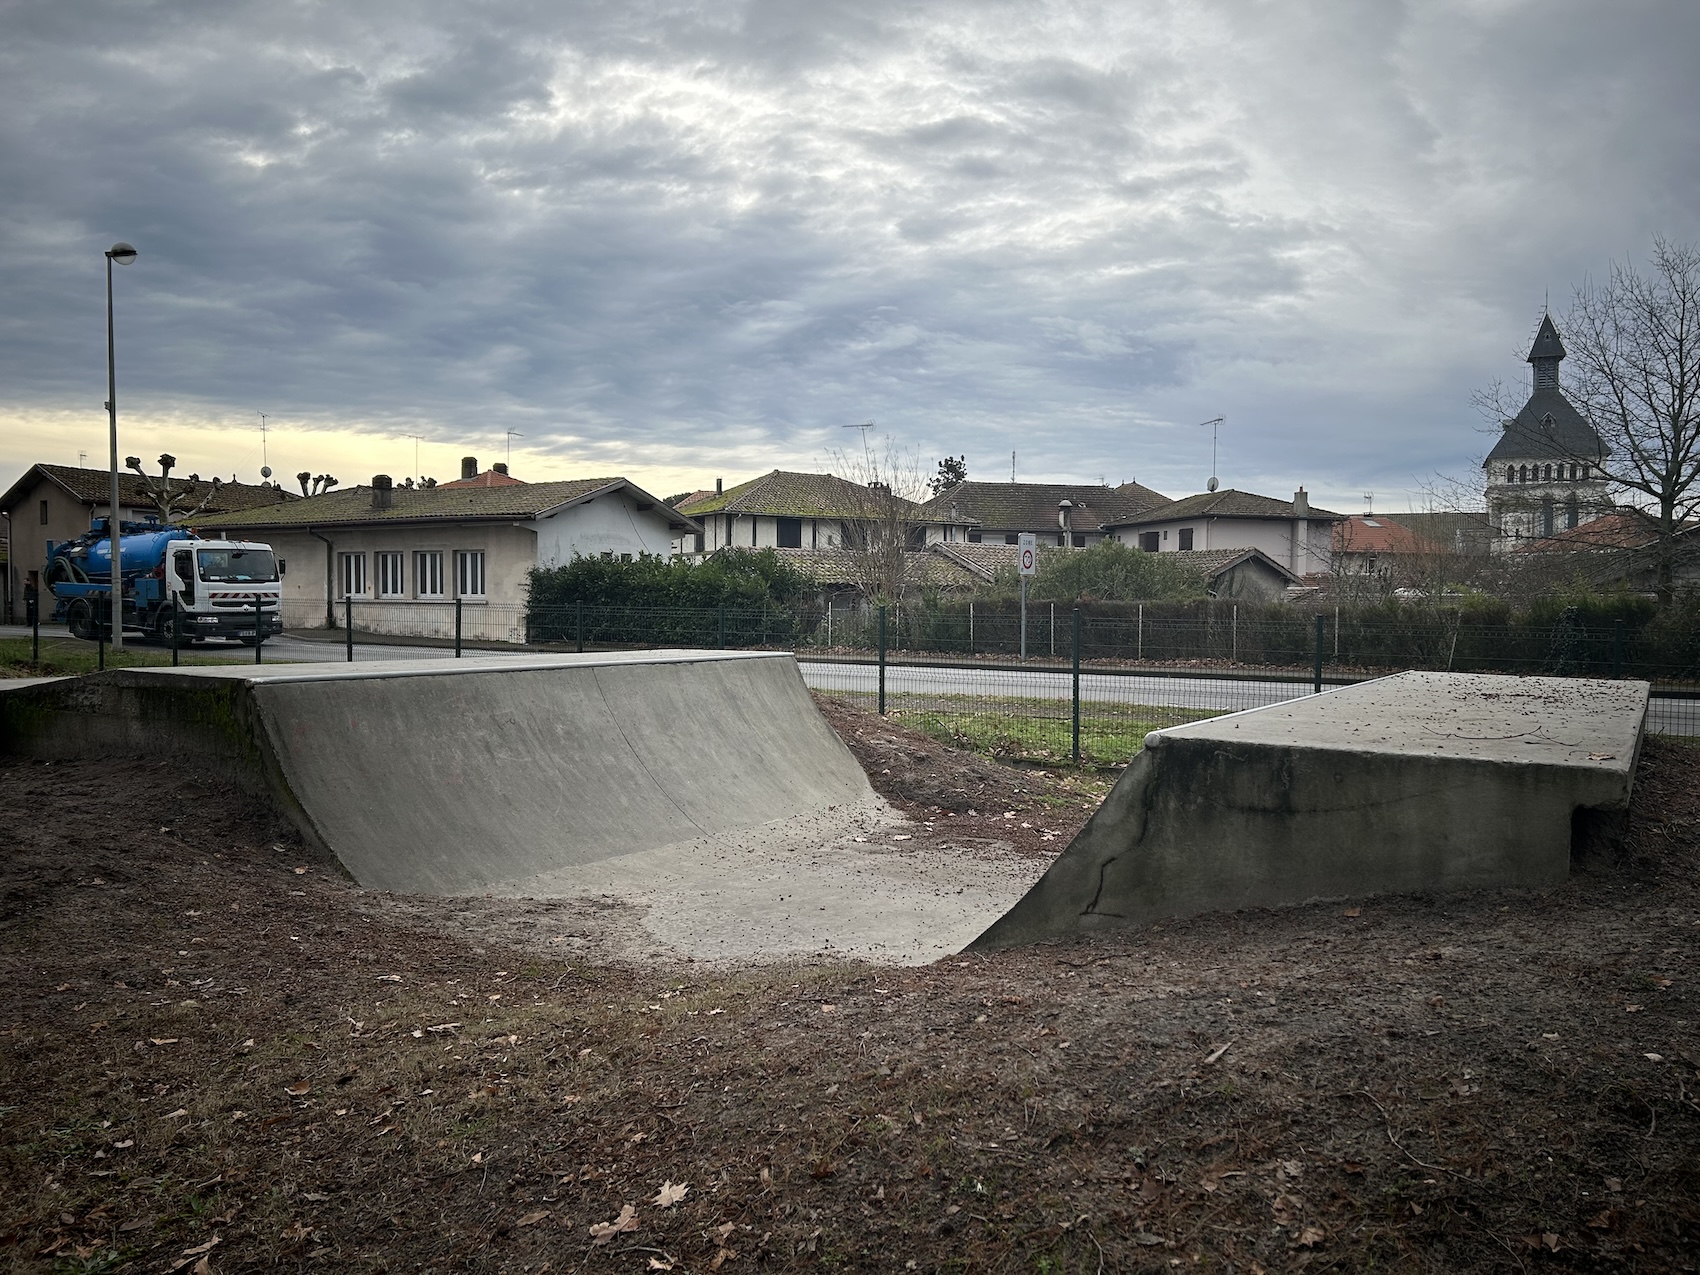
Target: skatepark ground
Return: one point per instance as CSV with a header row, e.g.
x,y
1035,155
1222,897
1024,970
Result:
x,y
220,1055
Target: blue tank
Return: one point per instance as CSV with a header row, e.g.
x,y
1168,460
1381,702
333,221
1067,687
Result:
x,y
138,553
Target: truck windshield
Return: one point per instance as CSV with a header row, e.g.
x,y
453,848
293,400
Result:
x,y
241,566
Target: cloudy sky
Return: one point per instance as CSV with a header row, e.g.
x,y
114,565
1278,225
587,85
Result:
x,y
679,241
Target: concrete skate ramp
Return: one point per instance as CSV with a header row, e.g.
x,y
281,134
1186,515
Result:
x,y
1423,781
450,777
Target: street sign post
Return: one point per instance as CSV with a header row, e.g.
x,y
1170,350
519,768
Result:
x,y
1027,560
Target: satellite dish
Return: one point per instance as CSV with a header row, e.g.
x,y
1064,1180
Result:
x,y
1211,485
265,471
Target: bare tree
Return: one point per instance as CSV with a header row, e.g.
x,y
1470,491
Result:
x,y
883,521
1635,340
172,502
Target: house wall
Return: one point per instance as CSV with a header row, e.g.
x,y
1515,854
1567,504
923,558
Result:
x,y
758,531
1303,547
608,524
509,553
1051,537
1515,511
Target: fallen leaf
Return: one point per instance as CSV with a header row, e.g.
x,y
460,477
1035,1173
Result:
x,y
1549,1239
655,1263
382,978
602,1232
1591,756
300,1087
725,1229
670,1194
825,1009
204,1266
1347,912
181,1111
721,1258
172,1040
214,1241
1212,1057
300,872
1311,1236
1648,1057
530,1219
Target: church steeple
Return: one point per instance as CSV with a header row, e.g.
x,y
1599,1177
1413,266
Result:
x,y
1545,355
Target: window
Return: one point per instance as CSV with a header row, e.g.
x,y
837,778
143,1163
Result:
x,y
1186,538
1080,540
1511,473
790,533
237,566
469,573
696,540
1572,512
1522,473
973,537
1011,538
389,569
44,516
428,573
1148,541
352,574
1546,515
1548,474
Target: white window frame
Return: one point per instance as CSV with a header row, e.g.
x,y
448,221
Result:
x,y
384,561
427,573
469,573
351,575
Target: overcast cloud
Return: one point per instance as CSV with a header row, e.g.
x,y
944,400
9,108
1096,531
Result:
x,y
679,241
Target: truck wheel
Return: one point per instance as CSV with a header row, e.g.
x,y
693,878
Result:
x,y
166,637
79,618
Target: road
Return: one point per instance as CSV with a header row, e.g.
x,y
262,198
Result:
x,y
1203,694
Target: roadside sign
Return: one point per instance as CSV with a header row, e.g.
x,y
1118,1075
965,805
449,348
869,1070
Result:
x,y
1027,554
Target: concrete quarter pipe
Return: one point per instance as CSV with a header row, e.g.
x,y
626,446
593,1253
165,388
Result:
x,y
1422,781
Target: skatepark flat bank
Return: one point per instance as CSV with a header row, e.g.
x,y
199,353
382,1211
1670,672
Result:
x,y
1421,781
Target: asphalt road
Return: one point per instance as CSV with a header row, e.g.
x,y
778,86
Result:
x,y
1205,694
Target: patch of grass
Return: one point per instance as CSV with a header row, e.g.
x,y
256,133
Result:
x,y
68,656
1036,730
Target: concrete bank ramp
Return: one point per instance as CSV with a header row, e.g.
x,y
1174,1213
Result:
x,y
1423,781
702,790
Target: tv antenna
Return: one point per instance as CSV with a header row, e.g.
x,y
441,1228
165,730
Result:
x,y
265,460
1215,424
417,476
865,426
512,434
82,460
1012,464
1369,503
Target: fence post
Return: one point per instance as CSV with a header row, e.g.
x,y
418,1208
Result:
x,y
970,628
1336,632
882,662
259,633
720,614
1075,692
348,625
1617,649
1053,630
35,629
457,628
829,624
1316,677
1236,636
580,606
176,628
100,644
1139,639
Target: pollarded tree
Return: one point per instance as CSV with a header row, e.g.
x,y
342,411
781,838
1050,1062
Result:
x,y
1634,341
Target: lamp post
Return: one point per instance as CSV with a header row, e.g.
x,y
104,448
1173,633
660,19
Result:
x,y
123,254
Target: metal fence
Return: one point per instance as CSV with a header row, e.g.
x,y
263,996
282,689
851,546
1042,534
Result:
x,y
1094,683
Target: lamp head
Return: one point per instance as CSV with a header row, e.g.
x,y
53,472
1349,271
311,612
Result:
x,y
122,253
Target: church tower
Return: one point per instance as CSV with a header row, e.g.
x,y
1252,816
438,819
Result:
x,y
1544,475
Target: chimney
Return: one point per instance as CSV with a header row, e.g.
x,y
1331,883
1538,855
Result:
x,y
501,467
717,487
1301,504
1063,507
381,493
468,467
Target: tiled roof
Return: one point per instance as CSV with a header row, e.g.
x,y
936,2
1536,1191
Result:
x,y
787,495
1548,427
92,487
1227,503
1376,533
1461,531
440,503
489,478
1625,529
838,567
1034,506
988,560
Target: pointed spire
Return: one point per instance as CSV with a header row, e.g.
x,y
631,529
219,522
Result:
x,y
1547,345
1545,355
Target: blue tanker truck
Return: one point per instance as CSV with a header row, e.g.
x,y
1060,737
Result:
x,y
177,587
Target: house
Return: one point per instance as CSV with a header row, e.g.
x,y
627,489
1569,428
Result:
x,y
1375,546
1290,533
404,555
50,503
782,510
1246,575
1545,473
1061,514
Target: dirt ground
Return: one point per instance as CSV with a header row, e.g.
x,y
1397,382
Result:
x,y
216,1055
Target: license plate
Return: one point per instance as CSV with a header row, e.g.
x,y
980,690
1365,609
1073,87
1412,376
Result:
x,y
244,632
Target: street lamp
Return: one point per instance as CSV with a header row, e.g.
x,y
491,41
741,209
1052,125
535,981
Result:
x,y
123,254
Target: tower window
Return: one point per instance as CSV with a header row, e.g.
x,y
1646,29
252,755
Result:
x,y
1548,477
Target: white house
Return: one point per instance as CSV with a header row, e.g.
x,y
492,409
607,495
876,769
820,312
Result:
x,y
783,510
404,555
1291,533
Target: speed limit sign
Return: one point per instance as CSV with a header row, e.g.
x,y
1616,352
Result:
x,y
1027,554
